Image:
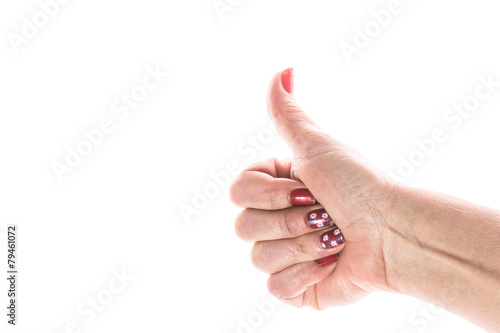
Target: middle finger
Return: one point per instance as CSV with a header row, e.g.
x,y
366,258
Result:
x,y
254,225
276,255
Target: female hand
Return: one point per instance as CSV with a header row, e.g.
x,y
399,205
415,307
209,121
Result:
x,y
355,195
435,247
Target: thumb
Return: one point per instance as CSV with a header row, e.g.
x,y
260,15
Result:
x,y
295,127
328,167
306,140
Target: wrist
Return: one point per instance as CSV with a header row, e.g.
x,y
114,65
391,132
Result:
x,y
403,246
438,248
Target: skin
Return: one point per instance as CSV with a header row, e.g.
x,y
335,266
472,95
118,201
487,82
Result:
x,y
429,245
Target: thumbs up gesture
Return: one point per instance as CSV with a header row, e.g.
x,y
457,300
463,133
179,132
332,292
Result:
x,y
317,220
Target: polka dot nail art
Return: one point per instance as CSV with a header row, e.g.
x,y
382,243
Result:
x,y
319,218
332,238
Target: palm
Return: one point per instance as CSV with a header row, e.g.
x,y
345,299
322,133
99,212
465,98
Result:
x,y
360,270
359,196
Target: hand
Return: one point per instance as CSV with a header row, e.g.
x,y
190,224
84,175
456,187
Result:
x,y
354,194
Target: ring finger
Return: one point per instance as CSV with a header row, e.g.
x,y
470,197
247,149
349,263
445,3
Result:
x,y
275,255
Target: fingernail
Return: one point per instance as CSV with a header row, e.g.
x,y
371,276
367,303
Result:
x,y
318,218
327,260
287,80
302,197
332,238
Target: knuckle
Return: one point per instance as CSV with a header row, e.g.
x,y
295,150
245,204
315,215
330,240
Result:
x,y
275,198
234,191
301,247
297,249
294,284
272,286
272,199
282,223
295,224
275,287
258,256
242,226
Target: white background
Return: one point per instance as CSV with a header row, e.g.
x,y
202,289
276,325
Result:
x,y
120,208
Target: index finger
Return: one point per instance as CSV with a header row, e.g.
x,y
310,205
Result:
x,y
267,185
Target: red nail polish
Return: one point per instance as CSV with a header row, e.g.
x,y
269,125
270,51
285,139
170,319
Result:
x,y
287,80
302,197
327,260
332,238
318,218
